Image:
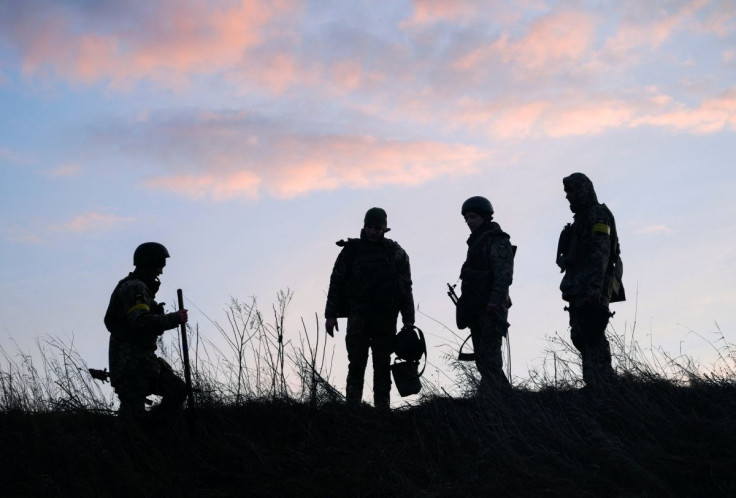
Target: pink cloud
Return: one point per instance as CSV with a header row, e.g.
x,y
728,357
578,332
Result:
x,y
365,162
92,222
223,187
650,26
64,170
712,115
298,165
551,40
565,36
166,41
654,230
589,119
430,11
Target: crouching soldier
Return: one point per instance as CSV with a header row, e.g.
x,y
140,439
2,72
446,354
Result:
x,y
135,321
370,284
484,303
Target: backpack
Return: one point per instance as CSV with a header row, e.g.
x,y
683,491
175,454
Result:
x,y
615,265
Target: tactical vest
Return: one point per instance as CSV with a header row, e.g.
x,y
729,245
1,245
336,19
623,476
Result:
x,y
477,274
569,250
116,320
372,275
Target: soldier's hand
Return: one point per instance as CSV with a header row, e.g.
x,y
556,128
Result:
x,y
330,324
182,316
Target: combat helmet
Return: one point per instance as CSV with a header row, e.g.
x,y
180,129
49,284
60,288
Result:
x,y
477,204
150,255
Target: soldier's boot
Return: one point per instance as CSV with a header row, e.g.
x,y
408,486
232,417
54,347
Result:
x,y
381,402
604,369
492,377
132,407
354,393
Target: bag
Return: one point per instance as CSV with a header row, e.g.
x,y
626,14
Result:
x,y
615,265
409,344
406,377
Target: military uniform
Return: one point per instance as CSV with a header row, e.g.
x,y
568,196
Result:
x,y
135,321
371,285
588,254
486,276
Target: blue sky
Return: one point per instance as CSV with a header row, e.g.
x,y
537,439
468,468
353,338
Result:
x,y
249,136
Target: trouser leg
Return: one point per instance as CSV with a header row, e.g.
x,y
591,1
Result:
x,y
381,348
487,335
171,388
588,334
357,344
132,391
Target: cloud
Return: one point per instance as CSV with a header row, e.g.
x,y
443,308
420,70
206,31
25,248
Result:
x,y
92,222
711,116
65,170
654,230
243,154
15,157
166,41
301,165
242,184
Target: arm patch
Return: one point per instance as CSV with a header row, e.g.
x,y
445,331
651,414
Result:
x,y
140,306
601,227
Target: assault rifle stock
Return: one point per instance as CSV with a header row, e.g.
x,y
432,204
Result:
x,y
460,356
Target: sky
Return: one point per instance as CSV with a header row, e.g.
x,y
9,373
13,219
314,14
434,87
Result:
x,y
248,136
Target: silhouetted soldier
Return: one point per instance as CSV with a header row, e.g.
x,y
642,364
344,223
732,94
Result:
x,y
588,254
484,302
370,284
135,321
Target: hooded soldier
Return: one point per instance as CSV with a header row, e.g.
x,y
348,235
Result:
x,y
588,254
484,302
371,285
135,321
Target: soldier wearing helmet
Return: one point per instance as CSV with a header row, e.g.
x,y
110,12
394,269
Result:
x,y
135,321
484,302
371,285
589,255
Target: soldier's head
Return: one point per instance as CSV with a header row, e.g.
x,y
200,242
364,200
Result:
x,y
150,257
375,224
579,192
477,210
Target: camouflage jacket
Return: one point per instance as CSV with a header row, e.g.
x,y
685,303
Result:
x,y
133,316
585,252
488,271
370,277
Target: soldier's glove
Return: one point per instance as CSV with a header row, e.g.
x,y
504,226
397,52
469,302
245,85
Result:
x,y
330,324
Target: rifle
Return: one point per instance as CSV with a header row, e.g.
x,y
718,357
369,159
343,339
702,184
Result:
x,y
185,355
451,293
101,375
104,376
460,355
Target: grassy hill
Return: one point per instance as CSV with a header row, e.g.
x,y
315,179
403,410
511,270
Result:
x,y
268,424
641,437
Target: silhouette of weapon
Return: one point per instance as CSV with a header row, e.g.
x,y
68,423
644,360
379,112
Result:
x,y
460,355
104,376
185,354
101,375
451,293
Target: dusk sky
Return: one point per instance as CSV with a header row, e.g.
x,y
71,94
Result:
x,y
248,136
